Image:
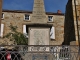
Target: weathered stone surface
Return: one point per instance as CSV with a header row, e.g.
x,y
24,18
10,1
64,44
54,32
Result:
x,y
74,48
39,36
39,56
58,23
17,19
69,30
76,14
39,15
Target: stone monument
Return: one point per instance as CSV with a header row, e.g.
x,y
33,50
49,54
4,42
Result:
x,y
39,35
39,15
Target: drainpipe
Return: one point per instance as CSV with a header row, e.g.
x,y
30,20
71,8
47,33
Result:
x,y
77,26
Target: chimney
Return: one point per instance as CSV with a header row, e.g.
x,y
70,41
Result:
x,y
59,11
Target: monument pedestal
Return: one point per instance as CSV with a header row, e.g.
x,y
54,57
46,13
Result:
x,y
39,36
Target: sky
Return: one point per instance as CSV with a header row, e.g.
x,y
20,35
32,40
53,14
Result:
x,y
50,5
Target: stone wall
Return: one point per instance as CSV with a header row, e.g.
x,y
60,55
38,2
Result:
x,y
69,29
17,19
76,15
59,30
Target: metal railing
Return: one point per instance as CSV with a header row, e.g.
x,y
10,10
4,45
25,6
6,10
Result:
x,y
39,52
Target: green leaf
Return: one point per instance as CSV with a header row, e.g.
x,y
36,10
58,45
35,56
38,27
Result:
x,y
19,38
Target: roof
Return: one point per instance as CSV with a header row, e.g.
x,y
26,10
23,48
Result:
x,y
25,11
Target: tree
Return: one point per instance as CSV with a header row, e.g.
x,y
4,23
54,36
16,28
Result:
x,y
18,37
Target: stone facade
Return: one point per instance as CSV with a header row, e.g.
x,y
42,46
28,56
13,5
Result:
x,y
69,30
16,18
37,18
76,14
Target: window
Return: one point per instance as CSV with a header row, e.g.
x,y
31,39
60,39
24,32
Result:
x,y
2,17
25,30
2,28
50,18
52,32
27,17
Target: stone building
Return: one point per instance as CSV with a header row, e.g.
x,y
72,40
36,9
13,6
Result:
x,y
19,19
42,28
72,23
29,19
76,15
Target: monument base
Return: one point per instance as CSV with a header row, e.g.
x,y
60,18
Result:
x,y
39,36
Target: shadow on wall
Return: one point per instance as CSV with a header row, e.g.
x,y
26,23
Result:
x,y
69,30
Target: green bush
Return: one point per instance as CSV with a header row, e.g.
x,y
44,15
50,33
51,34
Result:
x,y
18,37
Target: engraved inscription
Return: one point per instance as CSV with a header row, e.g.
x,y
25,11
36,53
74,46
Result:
x,y
38,3
39,17
39,36
39,12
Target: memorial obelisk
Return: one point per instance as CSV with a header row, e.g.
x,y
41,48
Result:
x,y
39,35
38,15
